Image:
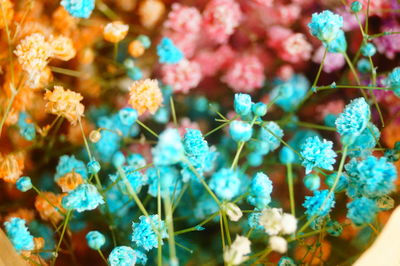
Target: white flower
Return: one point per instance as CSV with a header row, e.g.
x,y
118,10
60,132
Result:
x,y
233,211
271,220
289,224
278,244
236,253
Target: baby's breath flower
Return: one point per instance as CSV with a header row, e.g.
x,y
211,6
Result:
x,y
65,103
317,153
278,244
79,8
136,48
45,204
325,25
83,198
24,183
62,48
122,256
18,233
69,181
11,166
143,234
237,253
145,95
362,210
95,240
115,31
233,211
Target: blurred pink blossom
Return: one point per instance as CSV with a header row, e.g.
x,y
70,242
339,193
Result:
x,y
183,76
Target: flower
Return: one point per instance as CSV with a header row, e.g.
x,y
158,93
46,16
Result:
x,y
128,116
136,48
115,31
236,253
260,191
11,166
286,261
136,160
135,178
368,49
356,6
62,48
289,224
145,95
268,142
183,19
65,103
144,235
69,181
242,104
317,153
95,240
169,179
67,164
295,48
168,52
337,45
49,206
278,244
122,256
393,80
24,183
245,74
271,220
150,12
93,167
79,8
354,119
240,130
325,25
225,183
233,211
169,149
341,183
220,18
182,76
18,233
33,53
365,142
320,204
312,181
371,177
83,198
196,151
362,210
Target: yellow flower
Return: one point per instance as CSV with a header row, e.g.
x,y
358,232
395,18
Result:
x,y
145,95
115,32
65,103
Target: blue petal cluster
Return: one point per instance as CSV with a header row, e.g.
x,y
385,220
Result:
x,y
354,119
68,164
168,53
362,210
260,191
289,94
240,131
371,177
393,81
319,205
286,261
83,198
24,183
26,129
95,240
317,153
79,8
170,181
135,178
128,116
268,142
338,45
365,142
242,104
225,183
19,235
122,256
169,149
325,25
144,235
136,160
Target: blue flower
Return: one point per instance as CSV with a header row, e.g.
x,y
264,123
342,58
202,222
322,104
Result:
x,y
168,52
225,183
317,153
169,178
240,130
169,149
260,191
341,184
118,159
319,205
338,45
356,6
135,178
312,181
196,148
362,210
93,167
83,198
242,104
136,160
259,109
364,66
368,49
135,73
205,207
27,130
95,240
267,142
325,25
286,261
286,155
68,164
19,235
122,256
393,81
79,8
354,119
289,94
371,177
365,142
144,235
128,116
253,220
24,183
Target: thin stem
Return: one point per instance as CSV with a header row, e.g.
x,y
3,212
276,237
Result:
x,y
226,225
147,128
195,228
310,125
222,231
7,111
171,101
291,190
62,235
102,256
320,69
170,227
67,72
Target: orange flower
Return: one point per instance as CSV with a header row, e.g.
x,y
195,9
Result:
x,y
150,12
7,6
63,48
65,103
115,32
69,181
136,48
26,214
45,203
391,134
63,22
145,95
11,166
39,243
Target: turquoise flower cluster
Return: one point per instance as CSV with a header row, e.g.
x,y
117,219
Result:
x,y
393,81
144,235
95,240
68,164
169,149
85,197
168,53
122,256
317,153
26,129
225,183
362,210
79,8
320,204
24,183
260,191
167,177
18,233
326,26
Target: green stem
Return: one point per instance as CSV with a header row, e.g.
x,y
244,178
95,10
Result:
x,y
173,260
291,190
310,125
173,110
62,236
147,128
320,69
102,256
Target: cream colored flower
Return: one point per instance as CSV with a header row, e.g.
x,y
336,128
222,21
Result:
x,y
145,95
115,31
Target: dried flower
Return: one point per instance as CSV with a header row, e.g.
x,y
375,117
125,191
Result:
x,y
69,181
62,48
145,95
46,204
115,31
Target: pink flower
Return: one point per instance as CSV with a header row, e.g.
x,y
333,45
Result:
x,y
285,72
183,76
245,74
349,20
333,61
183,19
389,45
220,18
276,35
287,14
332,107
295,48
212,61
263,2
187,43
